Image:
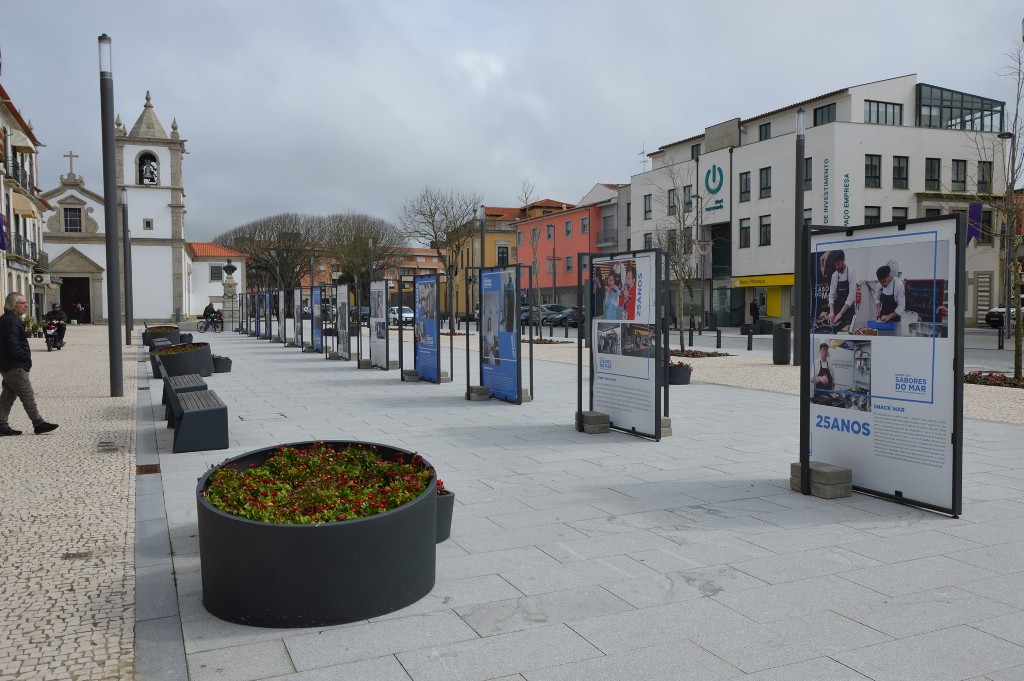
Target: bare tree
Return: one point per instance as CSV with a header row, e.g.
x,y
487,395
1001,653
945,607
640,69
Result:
x,y
526,190
279,248
446,221
347,244
525,196
1014,239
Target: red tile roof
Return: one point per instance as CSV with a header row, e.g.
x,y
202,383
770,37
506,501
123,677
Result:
x,y
205,249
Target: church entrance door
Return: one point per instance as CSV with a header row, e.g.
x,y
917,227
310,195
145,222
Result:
x,y
75,290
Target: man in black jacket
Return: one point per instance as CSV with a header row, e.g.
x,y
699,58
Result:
x,y
15,363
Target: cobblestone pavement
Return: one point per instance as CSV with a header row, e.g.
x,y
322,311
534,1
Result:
x,y
67,520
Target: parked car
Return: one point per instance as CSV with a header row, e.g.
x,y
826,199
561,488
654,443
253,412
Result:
x,y
362,314
407,315
997,315
540,312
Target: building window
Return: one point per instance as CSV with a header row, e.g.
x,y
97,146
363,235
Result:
x,y
648,240
694,151
149,170
766,182
932,174
984,177
986,227
568,263
808,170
72,219
216,273
900,172
765,232
883,113
807,217
671,201
745,233
899,214
568,227
825,114
688,198
647,207
872,215
629,214
959,176
872,171
932,212
147,223
584,225
940,108
744,187
502,256
533,235
551,265
551,232
764,132
519,238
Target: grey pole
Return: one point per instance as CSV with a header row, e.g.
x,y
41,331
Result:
x,y
110,217
800,287
129,304
1008,235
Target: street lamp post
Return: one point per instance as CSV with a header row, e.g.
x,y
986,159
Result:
x,y
800,288
129,305
110,216
1008,235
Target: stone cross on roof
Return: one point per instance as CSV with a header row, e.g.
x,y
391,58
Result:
x,y
71,156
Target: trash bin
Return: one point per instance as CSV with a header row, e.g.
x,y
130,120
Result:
x,y
781,351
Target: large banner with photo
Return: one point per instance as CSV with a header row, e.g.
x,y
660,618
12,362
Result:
x,y
282,328
315,319
885,395
379,324
500,352
266,316
427,335
625,341
342,321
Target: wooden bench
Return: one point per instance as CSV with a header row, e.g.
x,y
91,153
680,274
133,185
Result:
x,y
179,384
201,422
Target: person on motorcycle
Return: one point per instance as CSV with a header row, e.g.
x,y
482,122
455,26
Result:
x,y
57,316
208,312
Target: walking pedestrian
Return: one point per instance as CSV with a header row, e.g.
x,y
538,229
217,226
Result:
x,y
15,363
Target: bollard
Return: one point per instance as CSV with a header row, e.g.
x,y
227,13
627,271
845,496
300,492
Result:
x,y
691,336
567,329
1000,346
750,339
718,339
177,315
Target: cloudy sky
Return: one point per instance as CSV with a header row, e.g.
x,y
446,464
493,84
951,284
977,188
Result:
x,y
324,106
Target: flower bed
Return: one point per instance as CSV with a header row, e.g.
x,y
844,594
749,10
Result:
x,y
697,354
546,341
304,566
993,378
171,333
187,358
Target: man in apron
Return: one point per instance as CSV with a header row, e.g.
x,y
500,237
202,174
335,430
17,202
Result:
x,y
823,381
842,295
891,297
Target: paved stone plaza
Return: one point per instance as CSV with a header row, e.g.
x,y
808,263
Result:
x,y
572,556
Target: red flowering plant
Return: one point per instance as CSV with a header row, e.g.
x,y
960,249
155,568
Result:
x,y
318,484
993,378
690,352
682,365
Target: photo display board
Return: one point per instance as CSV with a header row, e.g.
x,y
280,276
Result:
x,y
342,322
282,328
624,378
251,314
266,316
316,316
885,343
297,315
379,324
427,333
500,351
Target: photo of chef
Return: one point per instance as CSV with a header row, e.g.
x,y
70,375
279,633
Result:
x,y
841,374
426,298
638,340
877,287
608,341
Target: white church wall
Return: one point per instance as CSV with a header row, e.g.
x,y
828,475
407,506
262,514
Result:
x,y
152,274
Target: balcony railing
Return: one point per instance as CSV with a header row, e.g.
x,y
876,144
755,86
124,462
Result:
x,y
43,261
16,171
608,238
23,247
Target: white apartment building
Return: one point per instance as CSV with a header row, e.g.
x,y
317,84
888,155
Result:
x,y
885,151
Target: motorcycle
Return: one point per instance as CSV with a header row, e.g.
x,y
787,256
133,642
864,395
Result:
x,y
51,334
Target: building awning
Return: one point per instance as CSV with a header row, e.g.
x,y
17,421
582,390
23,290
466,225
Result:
x,y
20,140
23,206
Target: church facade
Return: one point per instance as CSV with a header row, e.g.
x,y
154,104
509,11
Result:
x,y
152,195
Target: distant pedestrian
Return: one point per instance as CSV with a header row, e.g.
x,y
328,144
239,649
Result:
x,y
15,363
80,313
755,312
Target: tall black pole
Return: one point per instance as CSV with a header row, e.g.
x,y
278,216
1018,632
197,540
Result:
x,y
110,217
129,304
800,285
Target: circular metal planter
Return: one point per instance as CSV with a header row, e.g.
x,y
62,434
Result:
x,y
677,375
275,575
221,365
195,360
173,335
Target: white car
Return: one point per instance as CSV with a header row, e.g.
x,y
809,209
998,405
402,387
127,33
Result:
x,y
997,315
407,315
